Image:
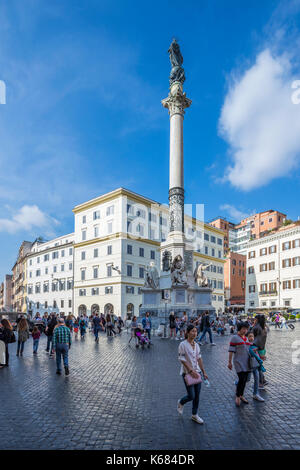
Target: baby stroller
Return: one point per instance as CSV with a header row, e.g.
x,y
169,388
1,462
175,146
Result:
x,y
142,338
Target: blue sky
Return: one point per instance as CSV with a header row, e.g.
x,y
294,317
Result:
x,y
84,81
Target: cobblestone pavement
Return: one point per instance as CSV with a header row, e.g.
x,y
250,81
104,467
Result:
x,y
118,397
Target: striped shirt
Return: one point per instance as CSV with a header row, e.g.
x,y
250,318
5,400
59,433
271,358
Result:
x,y
61,334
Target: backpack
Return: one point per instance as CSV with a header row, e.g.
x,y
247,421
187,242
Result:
x,y
12,338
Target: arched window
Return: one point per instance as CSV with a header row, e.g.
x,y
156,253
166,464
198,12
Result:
x,y
108,308
95,309
130,310
82,310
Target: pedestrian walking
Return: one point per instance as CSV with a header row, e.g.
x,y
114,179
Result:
x,y
52,322
76,328
191,364
82,326
260,331
96,325
256,363
172,325
205,327
69,322
147,324
120,324
134,325
7,336
23,335
36,334
110,331
62,343
239,352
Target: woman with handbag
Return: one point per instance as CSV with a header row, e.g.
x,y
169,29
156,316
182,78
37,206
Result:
x,y
23,335
191,364
7,336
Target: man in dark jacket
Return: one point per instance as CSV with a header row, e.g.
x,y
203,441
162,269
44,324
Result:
x,y
52,322
96,324
205,327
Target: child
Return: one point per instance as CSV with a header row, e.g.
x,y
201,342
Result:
x,y
76,327
36,339
258,365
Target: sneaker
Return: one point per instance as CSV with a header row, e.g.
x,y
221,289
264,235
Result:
x,y
197,419
258,398
213,344
58,372
261,387
177,339
67,370
179,407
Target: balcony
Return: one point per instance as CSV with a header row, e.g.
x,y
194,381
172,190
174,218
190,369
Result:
x,y
268,292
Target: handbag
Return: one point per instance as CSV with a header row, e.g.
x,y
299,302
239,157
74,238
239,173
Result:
x,y
252,362
189,380
12,338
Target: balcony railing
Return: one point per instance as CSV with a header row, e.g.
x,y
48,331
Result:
x,y
268,292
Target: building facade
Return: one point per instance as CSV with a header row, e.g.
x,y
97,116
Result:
x,y
235,280
117,236
273,270
19,279
49,275
6,294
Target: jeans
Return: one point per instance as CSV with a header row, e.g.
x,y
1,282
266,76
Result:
x,y
20,347
96,332
62,349
148,331
35,345
256,380
193,392
206,330
49,343
284,324
241,383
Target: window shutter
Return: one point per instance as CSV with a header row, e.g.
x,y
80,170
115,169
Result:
x,y
294,284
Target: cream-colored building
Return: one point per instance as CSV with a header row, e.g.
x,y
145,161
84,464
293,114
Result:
x,y
273,270
117,236
19,279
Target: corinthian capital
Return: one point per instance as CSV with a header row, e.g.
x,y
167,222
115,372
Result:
x,y
177,101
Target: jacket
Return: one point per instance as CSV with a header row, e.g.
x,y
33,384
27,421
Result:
x,y
5,335
145,320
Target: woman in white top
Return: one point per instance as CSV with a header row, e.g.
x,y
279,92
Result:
x,y
191,363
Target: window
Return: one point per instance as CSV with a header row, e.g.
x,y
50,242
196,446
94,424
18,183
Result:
x,y
251,254
296,284
96,215
141,213
262,223
263,251
234,262
37,288
54,269
286,284
212,252
272,287
286,263
220,254
95,272
213,239
286,245
46,304
129,270
82,255
263,287
287,303
62,253
109,249
129,209
263,267
95,252
251,270
82,292
272,249
129,290
252,288
109,270
296,261
142,252
54,254
152,217
296,243
38,259
220,298
96,231
109,227
95,290
110,210
62,304
84,219
83,274
38,272
54,304
30,261
206,237
270,220
46,257
220,284
141,273
220,242
140,229
70,266
62,285
163,237
70,303
272,266
83,235
69,284
206,250
163,221
108,290
233,271
54,286
70,251
152,254
129,249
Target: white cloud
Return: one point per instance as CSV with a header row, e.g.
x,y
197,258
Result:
x,y
28,218
235,213
261,124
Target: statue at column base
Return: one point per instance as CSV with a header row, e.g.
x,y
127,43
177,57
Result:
x,y
178,272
